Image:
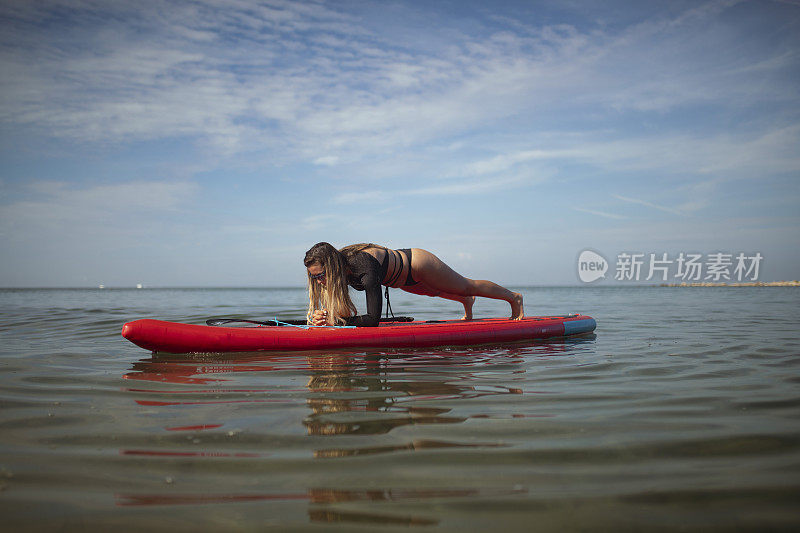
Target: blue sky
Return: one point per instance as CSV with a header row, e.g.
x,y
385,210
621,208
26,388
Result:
x,y
210,143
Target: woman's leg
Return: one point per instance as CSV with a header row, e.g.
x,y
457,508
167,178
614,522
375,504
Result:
x,y
425,290
441,279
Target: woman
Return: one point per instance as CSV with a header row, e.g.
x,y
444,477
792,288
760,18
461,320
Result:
x,y
366,267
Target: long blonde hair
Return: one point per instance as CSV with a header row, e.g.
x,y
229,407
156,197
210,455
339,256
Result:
x,y
335,295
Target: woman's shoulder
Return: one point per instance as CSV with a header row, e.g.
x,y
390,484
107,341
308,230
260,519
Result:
x,y
364,251
363,259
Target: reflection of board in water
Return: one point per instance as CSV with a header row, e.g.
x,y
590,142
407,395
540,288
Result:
x,y
173,337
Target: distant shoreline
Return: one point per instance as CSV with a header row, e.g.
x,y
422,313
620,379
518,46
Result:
x,y
794,283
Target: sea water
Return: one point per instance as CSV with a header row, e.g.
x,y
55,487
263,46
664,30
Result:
x,y
682,411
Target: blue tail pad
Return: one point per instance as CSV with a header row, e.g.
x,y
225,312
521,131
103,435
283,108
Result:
x,y
573,327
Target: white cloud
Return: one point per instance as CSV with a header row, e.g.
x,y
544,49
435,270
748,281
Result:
x,y
323,221
470,187
730,154
648,204
699,195
357,197
599,213
449,187
298,78
330,160
503,162
57,208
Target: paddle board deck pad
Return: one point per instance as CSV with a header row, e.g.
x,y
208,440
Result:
x,y
174,337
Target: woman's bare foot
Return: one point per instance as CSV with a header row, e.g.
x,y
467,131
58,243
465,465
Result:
x,y
517,312
468,302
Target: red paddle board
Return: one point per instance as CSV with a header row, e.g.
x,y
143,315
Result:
x,y
174,337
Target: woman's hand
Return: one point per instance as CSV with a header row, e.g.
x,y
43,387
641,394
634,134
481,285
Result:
x,y
319,318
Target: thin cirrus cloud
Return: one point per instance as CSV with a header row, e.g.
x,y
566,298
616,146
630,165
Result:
x,y
599,213
444,188
56,209
648,204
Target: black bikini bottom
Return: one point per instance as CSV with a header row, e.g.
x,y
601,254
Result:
x,y
409,279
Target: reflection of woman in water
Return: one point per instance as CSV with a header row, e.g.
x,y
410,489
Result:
x,y
366,267
333,374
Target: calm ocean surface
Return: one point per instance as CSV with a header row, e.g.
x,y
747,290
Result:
x,y
682,412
